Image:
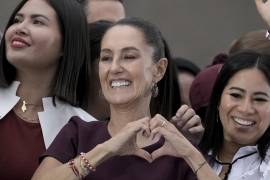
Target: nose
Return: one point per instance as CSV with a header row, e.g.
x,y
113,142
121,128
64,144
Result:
x,y
116,66
246,106
21,28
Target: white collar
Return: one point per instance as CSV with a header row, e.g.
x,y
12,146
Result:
x,y
52,119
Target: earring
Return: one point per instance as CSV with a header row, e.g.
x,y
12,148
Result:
x,y
154,90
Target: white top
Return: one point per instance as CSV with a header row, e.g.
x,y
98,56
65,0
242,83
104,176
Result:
x,y
248,168
52,119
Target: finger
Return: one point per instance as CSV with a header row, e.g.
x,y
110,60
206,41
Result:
x,y
185,118
197,130
181,111
192,122
157,120
144,155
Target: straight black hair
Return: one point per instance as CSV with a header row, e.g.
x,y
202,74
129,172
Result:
x,y
213,138
71,78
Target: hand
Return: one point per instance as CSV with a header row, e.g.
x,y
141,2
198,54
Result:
x,y
263,7
188,123
124,142
175,143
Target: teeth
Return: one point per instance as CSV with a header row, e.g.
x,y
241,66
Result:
x,y
243,122
119,83
18,43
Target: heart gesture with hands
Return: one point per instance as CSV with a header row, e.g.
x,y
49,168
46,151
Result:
x,y
263,7
126,141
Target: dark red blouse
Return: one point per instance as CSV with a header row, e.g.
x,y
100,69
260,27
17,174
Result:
x,y
21,143
80,136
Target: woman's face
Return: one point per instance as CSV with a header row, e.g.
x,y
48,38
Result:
x,y
34,40
126,68
245,107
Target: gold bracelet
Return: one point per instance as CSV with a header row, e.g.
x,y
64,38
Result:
x,y
200,166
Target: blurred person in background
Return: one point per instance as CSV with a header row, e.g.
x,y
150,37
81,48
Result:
x,y
186,72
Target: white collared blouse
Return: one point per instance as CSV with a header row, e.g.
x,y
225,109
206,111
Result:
x,y
52,119
251,167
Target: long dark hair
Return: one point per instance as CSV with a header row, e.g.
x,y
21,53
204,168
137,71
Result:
x,y
213,137
71,78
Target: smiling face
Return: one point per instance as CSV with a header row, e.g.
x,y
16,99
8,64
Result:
x,y
245,107
126,68
34,39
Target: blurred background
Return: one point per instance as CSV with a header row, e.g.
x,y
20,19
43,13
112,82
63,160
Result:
x,y
195,30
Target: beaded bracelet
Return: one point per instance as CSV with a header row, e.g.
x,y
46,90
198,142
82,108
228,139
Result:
x,y
72,165
86,162
200,166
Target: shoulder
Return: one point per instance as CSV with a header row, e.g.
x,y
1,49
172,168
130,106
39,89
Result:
x,y
87,127
74,111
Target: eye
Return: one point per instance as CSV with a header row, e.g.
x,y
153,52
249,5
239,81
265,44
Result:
x,y
129,56
236,95
105,58
38,22
260,99
16,20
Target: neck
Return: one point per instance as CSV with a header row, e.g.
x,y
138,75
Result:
x,y
121,115
34,86
228,151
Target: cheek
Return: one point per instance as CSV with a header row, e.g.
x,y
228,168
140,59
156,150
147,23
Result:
x,y
265,116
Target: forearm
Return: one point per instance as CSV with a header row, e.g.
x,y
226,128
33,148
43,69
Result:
x,y
52,169
200,167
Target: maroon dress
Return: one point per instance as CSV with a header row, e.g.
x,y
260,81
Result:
x,y
80,136
21,144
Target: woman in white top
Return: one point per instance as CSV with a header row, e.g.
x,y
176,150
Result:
x,y
44,63
237,128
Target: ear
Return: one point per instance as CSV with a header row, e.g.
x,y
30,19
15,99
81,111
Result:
x,y
160,69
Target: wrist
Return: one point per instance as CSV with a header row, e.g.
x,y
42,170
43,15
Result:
x,y
194,158
98,155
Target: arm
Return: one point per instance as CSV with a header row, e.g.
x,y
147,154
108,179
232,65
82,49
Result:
x,y
123,143
263,7
177,145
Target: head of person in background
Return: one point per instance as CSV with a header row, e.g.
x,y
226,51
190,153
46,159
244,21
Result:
x,y
202,85
238,115
98,106
186,72
110,10
254,40
44,57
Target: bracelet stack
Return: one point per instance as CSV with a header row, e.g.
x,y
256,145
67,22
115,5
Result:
x,y
85,167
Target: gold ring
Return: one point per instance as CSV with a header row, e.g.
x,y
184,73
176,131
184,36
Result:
x,y
163,124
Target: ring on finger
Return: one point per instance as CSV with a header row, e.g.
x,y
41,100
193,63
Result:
x,y
163,123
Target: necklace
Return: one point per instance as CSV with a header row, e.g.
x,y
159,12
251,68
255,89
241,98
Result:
x,y
25,104
20,115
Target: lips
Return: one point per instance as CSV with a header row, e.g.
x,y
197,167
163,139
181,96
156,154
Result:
x,y
18,43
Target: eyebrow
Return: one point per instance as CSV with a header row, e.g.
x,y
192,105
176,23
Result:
x,y
130,48
34,16
242,90
124,49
